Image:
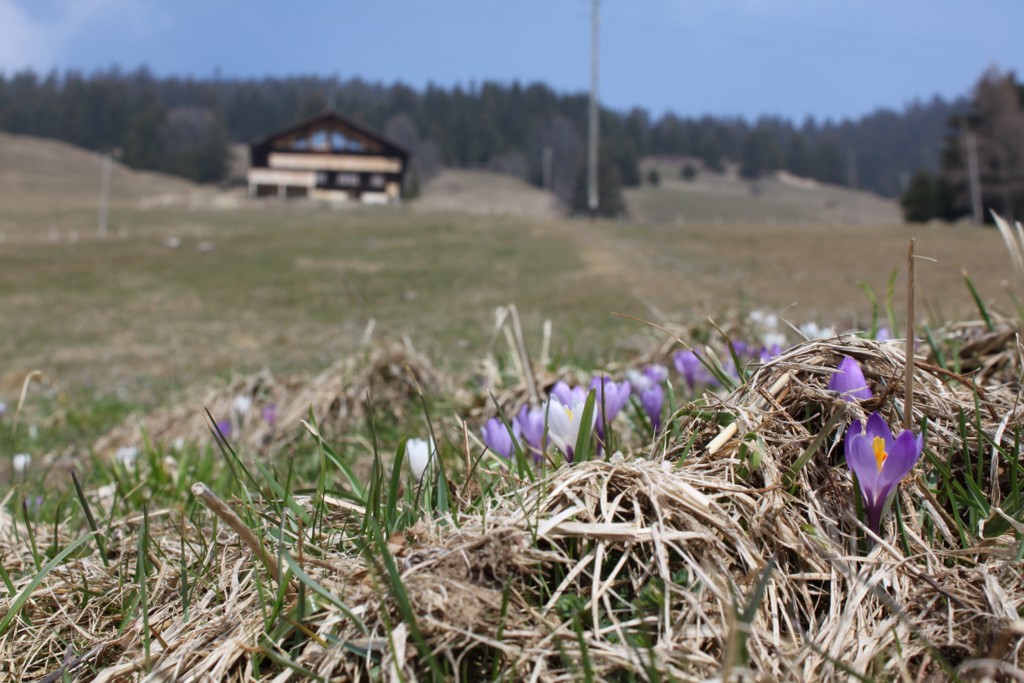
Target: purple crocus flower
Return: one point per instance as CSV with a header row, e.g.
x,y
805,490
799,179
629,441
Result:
x,y
769,352
531,426
883,334
656,373
652,400
848,380
497,438
741,348
650,391
880,463
610,398
689,365
567,395
224,427
269,413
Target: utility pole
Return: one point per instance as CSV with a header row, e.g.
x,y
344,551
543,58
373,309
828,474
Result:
x,y
104,194
973,175
595,24
545,167
851,179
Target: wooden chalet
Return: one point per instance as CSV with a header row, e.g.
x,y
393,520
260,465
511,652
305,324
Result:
x,y
327,157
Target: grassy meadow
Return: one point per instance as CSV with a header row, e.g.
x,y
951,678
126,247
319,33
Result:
x,y
294,288
282,536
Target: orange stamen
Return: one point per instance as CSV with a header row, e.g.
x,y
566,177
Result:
x,y
878,443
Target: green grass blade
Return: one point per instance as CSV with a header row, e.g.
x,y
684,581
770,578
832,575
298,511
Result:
x,y
890,293
26,592
584,440
314,586
873,332
522,463
142,570
790,477
90,519
376,552
979,303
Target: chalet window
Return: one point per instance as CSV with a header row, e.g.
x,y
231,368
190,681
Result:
x,y
322,178
377,181
342,143
319,141
347,180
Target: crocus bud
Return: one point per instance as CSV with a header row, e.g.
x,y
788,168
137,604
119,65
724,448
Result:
x,y
848,380
419,453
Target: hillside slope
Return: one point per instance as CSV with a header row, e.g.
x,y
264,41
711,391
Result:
x,y
727,198
32,168
487,193
50,184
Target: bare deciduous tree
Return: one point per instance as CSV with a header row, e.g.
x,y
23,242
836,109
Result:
x,y
997,122
559,135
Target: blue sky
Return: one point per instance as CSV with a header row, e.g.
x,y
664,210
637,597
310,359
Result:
x,y
825,58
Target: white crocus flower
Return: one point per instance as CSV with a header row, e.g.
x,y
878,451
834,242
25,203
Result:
x,y
565,423
243,404
639,381
812,331
21,462
419,452
126,455
769,321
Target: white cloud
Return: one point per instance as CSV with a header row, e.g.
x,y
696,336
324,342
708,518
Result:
x,y
23,42
40,43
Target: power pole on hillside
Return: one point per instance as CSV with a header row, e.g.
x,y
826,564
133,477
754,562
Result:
x,y
545,167
851,168
851,180
592,197
973,176
104,194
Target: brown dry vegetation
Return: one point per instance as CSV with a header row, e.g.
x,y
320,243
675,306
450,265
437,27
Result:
x,y
681,559
715,552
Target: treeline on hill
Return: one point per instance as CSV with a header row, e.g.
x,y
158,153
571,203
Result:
x,y
184,126
991,131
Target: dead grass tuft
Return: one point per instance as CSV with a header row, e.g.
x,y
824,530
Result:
x,y
730,549
387,375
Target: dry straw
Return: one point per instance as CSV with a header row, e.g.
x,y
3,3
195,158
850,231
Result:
x,y
687,561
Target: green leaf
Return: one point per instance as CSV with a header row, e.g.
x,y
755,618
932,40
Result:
x,y
583,450
26,592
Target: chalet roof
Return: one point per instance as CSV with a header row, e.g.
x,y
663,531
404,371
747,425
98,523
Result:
x,y
374,141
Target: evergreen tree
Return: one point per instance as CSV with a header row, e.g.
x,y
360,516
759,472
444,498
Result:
x,y
798,159
919,202
760,154
494,125
609,191
827,163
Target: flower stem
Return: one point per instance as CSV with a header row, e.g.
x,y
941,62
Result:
x,y
908,380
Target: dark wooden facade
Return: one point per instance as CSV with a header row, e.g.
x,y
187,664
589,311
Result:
x,y
328,157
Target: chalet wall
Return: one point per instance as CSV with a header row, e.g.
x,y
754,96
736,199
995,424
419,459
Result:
x,y
335,162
